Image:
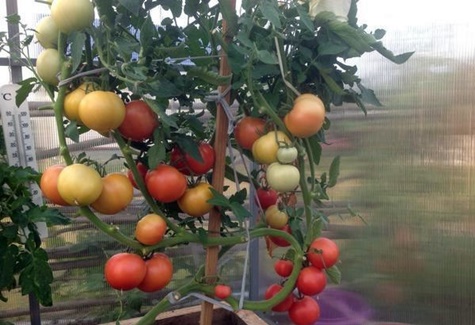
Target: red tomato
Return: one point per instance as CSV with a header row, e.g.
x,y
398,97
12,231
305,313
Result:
x,y
159,273
125,271
139,122
49,184
323,253
285,304
305,311
186,164
266,197
311,281
283,267
222,291
279,241
165,183
248,130
142,169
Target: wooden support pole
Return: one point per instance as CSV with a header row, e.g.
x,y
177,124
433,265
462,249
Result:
x,y
220,147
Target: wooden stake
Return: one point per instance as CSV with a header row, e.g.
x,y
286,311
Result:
x,y
220,147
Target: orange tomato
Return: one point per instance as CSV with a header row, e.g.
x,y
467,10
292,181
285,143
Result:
x,y
49,184
101,111
72,100
306,117
194,201
116,194
150,229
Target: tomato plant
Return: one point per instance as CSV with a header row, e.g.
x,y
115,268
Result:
x,y
323,253
125,271
222,291
159,273
304,311
139,122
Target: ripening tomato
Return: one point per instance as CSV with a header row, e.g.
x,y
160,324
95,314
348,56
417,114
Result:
x,y
222,291
72,100
116,195
188,165
79,184
285,304
311,281
264,149
282,178
165,183
283,267
140,121
194,201
266,197
72,16
279,241
125,271
101,111
48,66
323,253
46,32
306,116
159,273
49,184
150,229
248,130
304,311
142,169
275,217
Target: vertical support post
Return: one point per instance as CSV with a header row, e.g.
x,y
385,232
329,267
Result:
x,y
220,147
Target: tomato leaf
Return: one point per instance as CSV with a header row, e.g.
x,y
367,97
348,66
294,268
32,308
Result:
x,y
133,6
270,12
219,199
26,87
239,211
334,172
334,274
77,44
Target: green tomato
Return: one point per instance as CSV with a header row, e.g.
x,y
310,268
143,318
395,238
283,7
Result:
x,y
71,16
282,177
287,155
48,66
46,32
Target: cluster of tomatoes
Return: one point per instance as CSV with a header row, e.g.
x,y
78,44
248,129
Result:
x,y
301,305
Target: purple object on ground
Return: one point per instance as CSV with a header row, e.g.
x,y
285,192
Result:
x,y
341,307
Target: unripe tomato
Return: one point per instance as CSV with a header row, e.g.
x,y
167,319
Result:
x,y
188,165
194,201
72,15
276,218
165,183
101,111
323,253
116,194
48,66
46,32
287,155
304,311
311,281
72,100
79,184
283,178
283,267
49,184
159,273
150,229
222,291
140,121
248,130
306,116
285,304
264,149
125,271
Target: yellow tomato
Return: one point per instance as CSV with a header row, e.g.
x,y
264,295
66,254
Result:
x,y
101,111
194,201
264,149
46,32
79,184
72,15
72,100
116,195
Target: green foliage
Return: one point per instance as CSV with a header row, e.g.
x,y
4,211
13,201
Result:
x,y
20,244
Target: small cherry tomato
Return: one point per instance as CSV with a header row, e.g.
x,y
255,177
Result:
x,y
287,155
222,291
283,267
